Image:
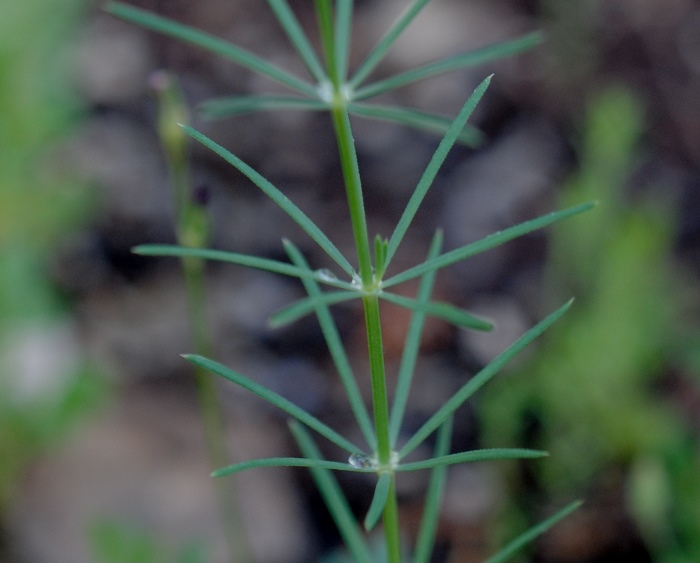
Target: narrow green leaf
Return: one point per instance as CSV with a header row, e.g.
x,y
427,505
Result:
x,y
334,498
440,310
433,167
474,455
487,243
324,18
223,256
380,246
381,495
381,49
210,43
278,197
296,35
518,543
433,497
463,60
343,32
287,462
337,350
476,382
411,347
273,398
219,108
417,119
308,305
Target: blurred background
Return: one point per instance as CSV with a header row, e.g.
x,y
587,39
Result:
x,y
102,455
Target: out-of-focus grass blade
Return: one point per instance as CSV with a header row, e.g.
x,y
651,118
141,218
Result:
x,y
433,167
463,60
223,256
278,197
336,349
210,43
411,347
287,462
296,35
480,379
444,311
381,49
273,398
487,243
474,455
417,119
518,543
433,497
381,494
343,32
334,498
308,305
219,108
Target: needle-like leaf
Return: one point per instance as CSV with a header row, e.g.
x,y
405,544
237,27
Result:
x,y
487,243
343,31
219,108
474,455
411,347
444,311
278,197
210,43
463,60
381,495
386,42
308,305
336,349
476,382
296,35
433,497
417,119
223,256
518,543
287,462
333,496
433,167
275,399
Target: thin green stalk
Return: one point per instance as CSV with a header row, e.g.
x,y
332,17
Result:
x,y
214,430
193,231
381,423
379,393
391,525
353,189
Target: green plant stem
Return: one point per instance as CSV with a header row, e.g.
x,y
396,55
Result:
x,y
380,404
379,394
212,417
391,524
353,187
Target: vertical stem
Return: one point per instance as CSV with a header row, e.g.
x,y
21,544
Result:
x,y
380,402
356,207
391,525
192,226
353,189
215,438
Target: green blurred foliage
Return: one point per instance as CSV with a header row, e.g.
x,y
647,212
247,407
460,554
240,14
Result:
x,y
589,394
114,542
40,202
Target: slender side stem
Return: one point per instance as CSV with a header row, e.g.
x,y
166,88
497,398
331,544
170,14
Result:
x,y
215,436
192,226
